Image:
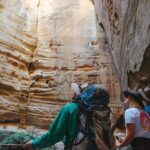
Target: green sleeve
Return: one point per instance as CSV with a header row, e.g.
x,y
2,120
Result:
x,y
56,131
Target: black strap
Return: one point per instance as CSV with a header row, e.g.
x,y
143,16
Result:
x,y
88,130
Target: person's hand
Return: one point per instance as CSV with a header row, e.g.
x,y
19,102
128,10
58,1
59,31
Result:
x,y
117,143
28,145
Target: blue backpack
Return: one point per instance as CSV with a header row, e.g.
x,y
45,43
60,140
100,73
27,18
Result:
x,y
91,98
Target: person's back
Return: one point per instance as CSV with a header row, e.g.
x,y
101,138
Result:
x,y
133,115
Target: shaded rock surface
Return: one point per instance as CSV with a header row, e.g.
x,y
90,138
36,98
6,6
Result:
x,y
126,24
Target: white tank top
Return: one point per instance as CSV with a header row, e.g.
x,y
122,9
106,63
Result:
x,y
141,120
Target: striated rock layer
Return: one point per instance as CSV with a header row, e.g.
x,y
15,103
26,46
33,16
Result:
x,y
44,46
126,24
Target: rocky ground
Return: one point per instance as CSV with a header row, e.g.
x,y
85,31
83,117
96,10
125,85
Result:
x,y
12,137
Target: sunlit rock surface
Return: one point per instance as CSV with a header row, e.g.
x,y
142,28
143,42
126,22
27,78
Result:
x,y
127,28
44,46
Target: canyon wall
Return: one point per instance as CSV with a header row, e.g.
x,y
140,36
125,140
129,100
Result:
x,y
126,24
44,46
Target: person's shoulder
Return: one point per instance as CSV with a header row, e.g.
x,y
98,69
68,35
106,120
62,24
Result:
x,y
71,106
132,110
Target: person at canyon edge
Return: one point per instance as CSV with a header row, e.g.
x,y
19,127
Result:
x,y
66,124
137,123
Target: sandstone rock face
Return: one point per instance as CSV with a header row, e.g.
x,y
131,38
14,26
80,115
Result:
x,y
127,28
44,46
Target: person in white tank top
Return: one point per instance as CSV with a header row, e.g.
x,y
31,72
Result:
x,y
137,123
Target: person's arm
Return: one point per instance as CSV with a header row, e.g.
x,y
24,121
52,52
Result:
x,y
55,134
129,136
